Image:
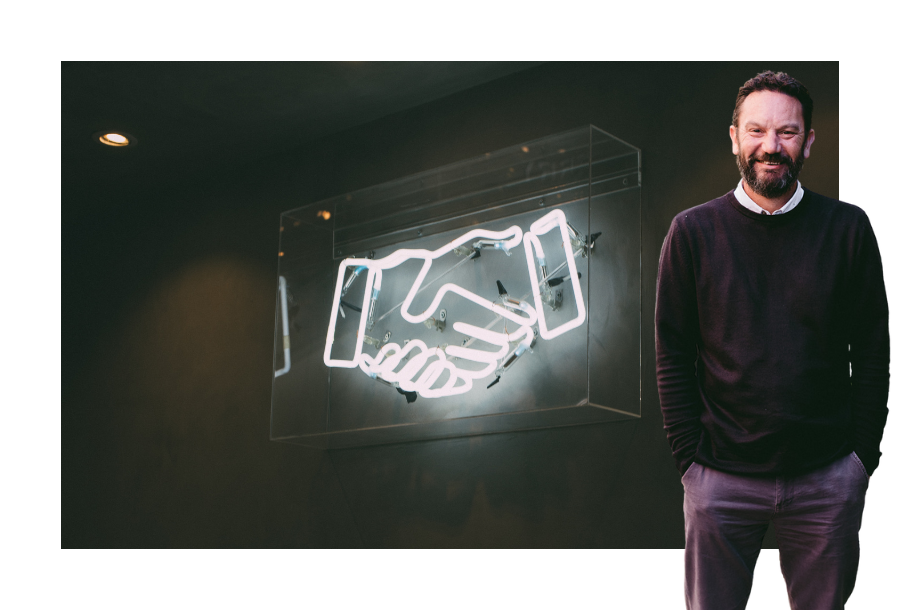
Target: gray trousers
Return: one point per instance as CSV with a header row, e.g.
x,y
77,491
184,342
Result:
x,y
816,517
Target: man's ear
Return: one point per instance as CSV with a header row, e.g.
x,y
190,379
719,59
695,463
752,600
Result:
x,y
732,132
810,138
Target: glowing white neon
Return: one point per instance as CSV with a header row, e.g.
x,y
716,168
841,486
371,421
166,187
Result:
x,y
422,371
540,227
374,274
390,356
286,337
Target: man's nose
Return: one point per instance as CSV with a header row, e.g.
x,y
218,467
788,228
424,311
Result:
x,y
771,144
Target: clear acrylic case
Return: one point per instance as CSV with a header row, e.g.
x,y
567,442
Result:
x,y
434,251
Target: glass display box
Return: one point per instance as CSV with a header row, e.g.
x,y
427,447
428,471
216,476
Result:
x,y
495,294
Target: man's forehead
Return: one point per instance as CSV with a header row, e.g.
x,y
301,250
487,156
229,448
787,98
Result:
x,y
766,106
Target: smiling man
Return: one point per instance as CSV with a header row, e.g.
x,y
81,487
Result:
x,y
770,146
772,364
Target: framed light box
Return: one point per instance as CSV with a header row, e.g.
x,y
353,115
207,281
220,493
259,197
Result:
x,y
495,294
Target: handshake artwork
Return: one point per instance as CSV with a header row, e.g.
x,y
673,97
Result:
x,y
417,369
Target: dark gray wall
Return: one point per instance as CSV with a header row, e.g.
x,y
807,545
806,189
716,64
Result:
x,y
168,335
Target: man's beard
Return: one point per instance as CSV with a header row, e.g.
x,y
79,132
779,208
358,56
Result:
x,y
767,185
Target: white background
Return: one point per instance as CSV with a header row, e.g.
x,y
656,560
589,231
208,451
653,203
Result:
x,y
38,36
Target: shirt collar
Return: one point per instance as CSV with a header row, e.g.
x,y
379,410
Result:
x,y
744,199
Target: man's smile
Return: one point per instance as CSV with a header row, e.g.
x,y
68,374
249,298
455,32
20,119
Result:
x,y
770,161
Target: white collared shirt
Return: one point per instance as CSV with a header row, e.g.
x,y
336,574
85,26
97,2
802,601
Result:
x,y
744,199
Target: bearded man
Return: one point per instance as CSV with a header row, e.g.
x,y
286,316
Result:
x,y
772,364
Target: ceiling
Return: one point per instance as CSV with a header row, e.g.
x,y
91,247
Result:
x,y
190,117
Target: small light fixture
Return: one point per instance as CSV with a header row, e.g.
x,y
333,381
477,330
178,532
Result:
x,y
114,138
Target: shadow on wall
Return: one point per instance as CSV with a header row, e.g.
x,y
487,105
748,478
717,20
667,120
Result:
x,y
524,489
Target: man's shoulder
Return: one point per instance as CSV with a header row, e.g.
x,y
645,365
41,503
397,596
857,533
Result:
x,y
828,203
841,209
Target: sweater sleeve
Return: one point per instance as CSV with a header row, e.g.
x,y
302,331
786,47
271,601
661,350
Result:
x,y
869,348
677,335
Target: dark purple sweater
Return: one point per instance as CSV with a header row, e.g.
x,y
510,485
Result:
x,y
758,322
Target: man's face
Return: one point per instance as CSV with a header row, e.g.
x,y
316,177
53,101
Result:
x,y
769,142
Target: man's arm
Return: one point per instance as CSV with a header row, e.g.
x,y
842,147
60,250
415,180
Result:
x,y
677,334
869,349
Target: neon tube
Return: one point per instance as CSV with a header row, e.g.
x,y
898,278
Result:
x,y
540,227
422,372
373,272
285,330
384,365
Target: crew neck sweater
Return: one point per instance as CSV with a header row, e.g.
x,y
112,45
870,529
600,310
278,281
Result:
x,y
759,321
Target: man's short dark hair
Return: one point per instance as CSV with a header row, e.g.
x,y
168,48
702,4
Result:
x,y
781,83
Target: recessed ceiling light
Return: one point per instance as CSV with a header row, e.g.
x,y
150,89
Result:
x,y
114,138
